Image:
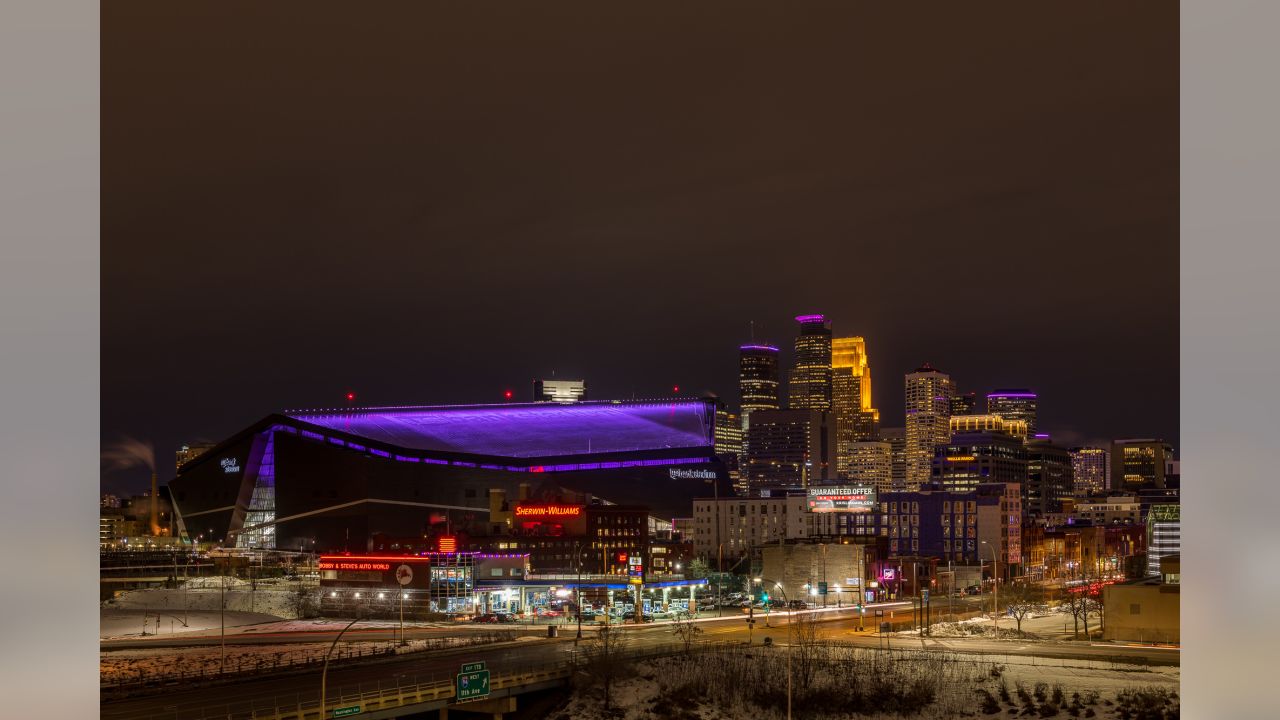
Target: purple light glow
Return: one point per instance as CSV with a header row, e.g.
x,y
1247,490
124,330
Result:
x,y
1011,395
768,348
811,318
529,430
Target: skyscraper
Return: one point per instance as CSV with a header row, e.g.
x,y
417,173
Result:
x,y
757,379
1091,467
1137,464
871,463
790,447
966,404
810,383
855,419
897,439
1050,479
1019,404
928,408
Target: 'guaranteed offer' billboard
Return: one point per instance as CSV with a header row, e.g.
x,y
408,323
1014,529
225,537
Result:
x,y
842,499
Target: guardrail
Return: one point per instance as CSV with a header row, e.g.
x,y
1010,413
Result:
x,y
432,693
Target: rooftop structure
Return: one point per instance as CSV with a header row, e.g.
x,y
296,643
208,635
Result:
x,y
527,430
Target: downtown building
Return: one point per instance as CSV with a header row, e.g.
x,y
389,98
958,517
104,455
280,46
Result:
x,y
855,418
897,441
331,480
732,527
1050,484
1140,464
560,391
809,387
928,414
1017,404
790,448
972,458
1091,469
953,526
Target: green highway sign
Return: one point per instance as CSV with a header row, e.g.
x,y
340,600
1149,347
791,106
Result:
x,y
473,667
345,711
472,685
822,588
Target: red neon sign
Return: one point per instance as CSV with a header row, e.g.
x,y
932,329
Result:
x,y
548,510
448,544
353,565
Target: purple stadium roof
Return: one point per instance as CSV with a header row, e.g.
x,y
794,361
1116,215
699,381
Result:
x,y
527,430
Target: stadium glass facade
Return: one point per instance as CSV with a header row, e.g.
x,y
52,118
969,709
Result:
x,y
329,480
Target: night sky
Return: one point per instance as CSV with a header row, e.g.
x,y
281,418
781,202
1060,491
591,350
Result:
x,y
436,204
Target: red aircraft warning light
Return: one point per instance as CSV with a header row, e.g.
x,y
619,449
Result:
x,y
351,396
507,394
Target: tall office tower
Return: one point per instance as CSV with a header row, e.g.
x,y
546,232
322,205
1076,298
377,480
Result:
x,y
790,447
187,453
1019,404
966,404
973,458
855,419
810,385
1050,479
928,420
1137,464
897,439
757,379
871,463
1091,467
560,391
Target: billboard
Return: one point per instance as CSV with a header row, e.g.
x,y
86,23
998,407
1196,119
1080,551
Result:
x,y
842,499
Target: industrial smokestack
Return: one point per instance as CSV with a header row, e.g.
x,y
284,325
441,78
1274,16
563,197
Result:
x,y
155,504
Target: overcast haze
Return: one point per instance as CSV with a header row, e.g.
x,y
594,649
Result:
x,y
438,204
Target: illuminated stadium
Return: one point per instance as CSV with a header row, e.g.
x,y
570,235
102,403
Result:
x,y
333,479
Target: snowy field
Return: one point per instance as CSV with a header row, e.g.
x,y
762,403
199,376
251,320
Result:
x,y
965,687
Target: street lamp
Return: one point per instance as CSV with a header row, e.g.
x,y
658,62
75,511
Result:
x,y
995,586
324,674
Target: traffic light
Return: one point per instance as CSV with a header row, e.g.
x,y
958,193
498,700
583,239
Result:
x,y
764,597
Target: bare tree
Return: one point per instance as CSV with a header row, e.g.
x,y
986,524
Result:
x,y
805,647
687,630
1023,599
604,658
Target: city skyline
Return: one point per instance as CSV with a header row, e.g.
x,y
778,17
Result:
x,y
614,221
134,479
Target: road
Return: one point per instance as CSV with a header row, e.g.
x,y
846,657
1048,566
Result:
x,y
273,690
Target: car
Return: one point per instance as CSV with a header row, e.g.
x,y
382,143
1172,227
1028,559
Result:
x,y
798,605
485,618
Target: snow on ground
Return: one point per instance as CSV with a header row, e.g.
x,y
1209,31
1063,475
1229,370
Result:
x,y
278,599
120,624
635,697
116,666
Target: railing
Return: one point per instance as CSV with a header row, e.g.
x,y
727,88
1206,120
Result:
x,y
418,692
380,698
285,661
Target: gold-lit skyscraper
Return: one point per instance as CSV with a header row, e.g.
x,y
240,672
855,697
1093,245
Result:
x,y
810,384
855,419
928,420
